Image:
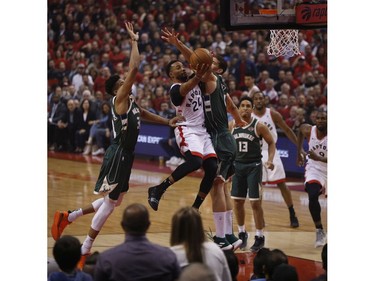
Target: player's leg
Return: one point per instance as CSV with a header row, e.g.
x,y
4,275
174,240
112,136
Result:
x,y
193,163
210,168
314,189
287,196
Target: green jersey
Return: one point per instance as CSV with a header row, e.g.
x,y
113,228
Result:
x,y
126,126
249,143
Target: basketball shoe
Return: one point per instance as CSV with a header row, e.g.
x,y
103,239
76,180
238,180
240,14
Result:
x,y
320,238
223,243
60,221
258,244
294,221
154,195
243,236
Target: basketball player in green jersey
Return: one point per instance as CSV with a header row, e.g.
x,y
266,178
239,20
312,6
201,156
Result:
x,y
247,180
113,179
217,103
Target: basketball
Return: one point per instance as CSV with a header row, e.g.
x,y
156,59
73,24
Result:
x,y
200,56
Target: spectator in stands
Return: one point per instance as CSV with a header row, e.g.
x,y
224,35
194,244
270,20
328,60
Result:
x,y
243,67
324,256
282,106
197,271
70,123
137,258
232,263
285,272
300,67
299,120
289,78
86,119
55,118
273,67
99,83
78,80
259,264
67,253
100,131
189,243
249,87
274,258
280,80
271,92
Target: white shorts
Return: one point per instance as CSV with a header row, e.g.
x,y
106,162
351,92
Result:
x,y
276,175
195,139
312,174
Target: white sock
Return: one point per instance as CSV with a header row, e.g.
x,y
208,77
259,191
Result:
x,y
219,220
241,228
75,214
87,245
229,222
259,232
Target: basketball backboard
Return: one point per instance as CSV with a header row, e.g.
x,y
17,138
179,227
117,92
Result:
x,y
273,14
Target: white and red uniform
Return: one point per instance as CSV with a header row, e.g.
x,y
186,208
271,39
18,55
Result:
x,y
316,171
191,134
276,175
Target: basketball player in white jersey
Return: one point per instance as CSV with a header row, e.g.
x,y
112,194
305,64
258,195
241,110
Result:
x,y
273,119
316,168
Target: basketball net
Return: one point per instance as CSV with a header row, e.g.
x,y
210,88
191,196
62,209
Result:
x,y
284,42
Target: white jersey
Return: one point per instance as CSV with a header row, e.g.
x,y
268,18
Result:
x,y
319,146
266,119
191,108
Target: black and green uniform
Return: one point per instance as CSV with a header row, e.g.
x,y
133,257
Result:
x,y
216,121
247,179
119,156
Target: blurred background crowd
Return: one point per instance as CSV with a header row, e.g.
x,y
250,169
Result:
x,y
87,43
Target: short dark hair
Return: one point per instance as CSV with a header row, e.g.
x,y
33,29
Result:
x,y
285,272
168,67
135,219
67,252
222,63
246,98
110,84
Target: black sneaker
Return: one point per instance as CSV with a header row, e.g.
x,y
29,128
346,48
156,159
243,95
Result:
x,y
154,196
222,243
243,236
258,244
232,239
294,221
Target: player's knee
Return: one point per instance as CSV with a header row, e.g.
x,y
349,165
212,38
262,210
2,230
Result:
x,y
313,190
194,162
210,165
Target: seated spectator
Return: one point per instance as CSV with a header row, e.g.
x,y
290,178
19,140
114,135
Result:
x,y
324,276
232,263
100,131
283,107
137,258
55,133
274,258
285,272
86,119
188,242
259,264
197,272
299,120
67,253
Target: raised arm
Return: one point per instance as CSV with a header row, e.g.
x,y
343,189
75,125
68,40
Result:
x,y
265,133
122,96
154,118
172,38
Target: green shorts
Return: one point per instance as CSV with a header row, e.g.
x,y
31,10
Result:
x,y
247,180
225,147
116,169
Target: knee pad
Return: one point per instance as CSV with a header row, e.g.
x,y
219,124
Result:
x,y
313,190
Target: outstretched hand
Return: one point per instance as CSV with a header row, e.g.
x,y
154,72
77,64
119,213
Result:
x,y
169,36
201,70
130,29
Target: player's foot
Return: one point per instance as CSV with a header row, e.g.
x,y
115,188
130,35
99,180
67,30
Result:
x,y
154,195
232,239
82,261
243,236
223,243
294,221
320,238
60,221
258,244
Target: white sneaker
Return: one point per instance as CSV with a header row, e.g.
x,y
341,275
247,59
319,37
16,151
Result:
x,y
320,238
173,161
100,151
180,161
87,149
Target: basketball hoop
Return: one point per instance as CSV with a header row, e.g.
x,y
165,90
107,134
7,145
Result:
x,y
283,42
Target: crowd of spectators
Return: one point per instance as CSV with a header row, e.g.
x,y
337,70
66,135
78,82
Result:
x,y
87,43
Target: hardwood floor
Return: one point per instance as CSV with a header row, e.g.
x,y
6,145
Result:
x,y
70,184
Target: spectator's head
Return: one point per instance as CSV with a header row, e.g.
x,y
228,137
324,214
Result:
x,y
135,219
283,100
67,252
324,257
197,271
259,262
285,272
275,258
71,105
249,79
187,230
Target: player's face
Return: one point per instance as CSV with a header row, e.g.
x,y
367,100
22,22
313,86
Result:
x,y
215,65
178,72
321,121
258,99
245,109
118,84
